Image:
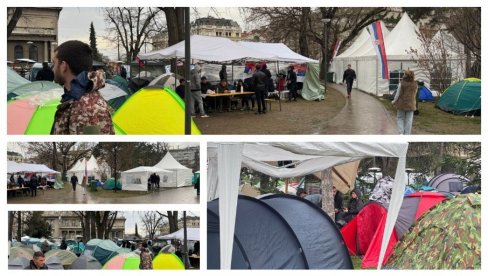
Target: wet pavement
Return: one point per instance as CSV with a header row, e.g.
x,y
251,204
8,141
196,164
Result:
x,y
181,195
362,114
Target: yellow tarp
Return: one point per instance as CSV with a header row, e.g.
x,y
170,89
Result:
x,y
152,111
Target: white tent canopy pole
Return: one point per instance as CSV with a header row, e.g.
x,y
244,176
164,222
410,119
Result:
x,y
225,171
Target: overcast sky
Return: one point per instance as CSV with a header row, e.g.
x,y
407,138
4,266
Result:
x,y
78,29
135,217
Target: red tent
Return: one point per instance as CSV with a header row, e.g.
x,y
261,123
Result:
x,y
359,232
413,207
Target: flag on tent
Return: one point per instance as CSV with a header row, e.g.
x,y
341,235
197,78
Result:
x,y
376,33
336,49
140,61
86,171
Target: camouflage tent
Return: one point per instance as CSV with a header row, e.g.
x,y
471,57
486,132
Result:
x,y
447,237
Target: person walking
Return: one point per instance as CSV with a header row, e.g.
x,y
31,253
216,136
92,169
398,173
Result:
x,y
196,92
349,76
405,103
291,80
259,84
223,73
83,185
74,182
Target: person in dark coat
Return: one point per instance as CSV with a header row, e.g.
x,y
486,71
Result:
x,y
46,74
353,207
291,80
259,84
337,200
33,183
20,181
158,180
180,89
63,245
269,80
74,182
349,76
123,72
223,73
38,261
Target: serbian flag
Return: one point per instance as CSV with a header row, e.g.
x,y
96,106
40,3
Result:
x,y
141,62
86,170
336,49
379,46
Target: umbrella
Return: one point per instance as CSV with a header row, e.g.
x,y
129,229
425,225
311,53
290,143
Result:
x,y
54,263
21,252
168,261
126,261
66,257
33,113
18,263
86,262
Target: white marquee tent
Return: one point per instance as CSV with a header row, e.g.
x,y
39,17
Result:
x,y
192,234
225,161
398,45
181,175
90,165
279,51
136,179
14,167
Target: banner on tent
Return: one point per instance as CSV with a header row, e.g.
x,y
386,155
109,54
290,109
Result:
x,y
376,33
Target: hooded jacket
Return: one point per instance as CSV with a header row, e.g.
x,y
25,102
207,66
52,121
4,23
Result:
x,y
355,204
82,109
33,266
407,94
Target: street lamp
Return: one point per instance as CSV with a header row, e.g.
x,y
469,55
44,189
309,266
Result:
x,y
326,68
409,171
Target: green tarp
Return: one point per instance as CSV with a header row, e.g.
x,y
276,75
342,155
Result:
x,y
110,184
312,88
58,182
463,97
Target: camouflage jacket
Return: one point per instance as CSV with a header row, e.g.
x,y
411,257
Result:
x,y
90,114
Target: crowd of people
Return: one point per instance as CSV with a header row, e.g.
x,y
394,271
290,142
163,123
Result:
x,y
30,183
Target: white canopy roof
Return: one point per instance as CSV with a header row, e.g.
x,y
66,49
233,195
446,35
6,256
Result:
x,y
169,162
280,51
146,169
363,44
207,48
91,165
225,160
14,167
192,234
111,91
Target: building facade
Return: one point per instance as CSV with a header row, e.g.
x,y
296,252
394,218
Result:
x,y
67,225
15,156
35,35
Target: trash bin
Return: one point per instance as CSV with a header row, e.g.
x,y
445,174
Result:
x,y
93,186
330,76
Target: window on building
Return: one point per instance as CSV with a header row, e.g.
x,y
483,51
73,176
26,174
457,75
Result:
x,y
33,52
18,52
237,34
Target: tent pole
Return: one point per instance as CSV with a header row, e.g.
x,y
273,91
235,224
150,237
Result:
x,y
232,74
187,72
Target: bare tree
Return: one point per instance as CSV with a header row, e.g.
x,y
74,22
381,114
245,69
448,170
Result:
x,y
96,224
465,25
172,220
175,21
132,27
152,221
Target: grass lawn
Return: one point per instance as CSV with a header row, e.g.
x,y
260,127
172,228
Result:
x,y
435,121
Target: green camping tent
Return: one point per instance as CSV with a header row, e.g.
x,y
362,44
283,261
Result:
x,y
312,88
110,184
102,250
446,237
463,97
14,80
32,87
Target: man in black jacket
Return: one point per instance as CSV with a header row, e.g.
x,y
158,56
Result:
x,y
291,80
349,77
46,74
38,261
259,84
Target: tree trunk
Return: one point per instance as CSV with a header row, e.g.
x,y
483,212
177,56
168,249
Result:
x,y
173,221
468,62
93,225
303,38
13,21
11,215
327,194
19,225
54,161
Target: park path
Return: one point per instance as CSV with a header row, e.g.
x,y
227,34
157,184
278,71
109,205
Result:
x,y
181,195
362,114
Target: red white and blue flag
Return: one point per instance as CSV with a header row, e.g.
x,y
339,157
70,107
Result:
x,y
379,45
336,49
